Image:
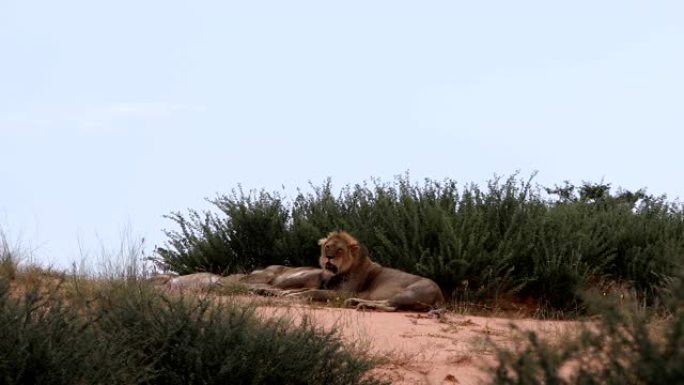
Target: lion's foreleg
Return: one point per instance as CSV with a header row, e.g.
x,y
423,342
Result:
x,y
317,295
265,290
292,292
369,304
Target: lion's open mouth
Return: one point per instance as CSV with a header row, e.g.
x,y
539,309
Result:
x,y
331,267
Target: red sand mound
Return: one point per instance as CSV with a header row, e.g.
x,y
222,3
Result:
x,y
418,348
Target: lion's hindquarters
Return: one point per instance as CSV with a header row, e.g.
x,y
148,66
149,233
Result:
x,y
279,280
405,291
304,278
422,295
196,281
263,276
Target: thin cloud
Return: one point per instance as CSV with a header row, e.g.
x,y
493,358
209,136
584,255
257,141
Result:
x,y
113,117
102,119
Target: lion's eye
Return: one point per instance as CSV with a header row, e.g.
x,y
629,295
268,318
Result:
x,y
339,251
327,247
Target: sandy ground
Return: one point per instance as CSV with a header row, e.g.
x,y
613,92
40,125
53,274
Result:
x,y
418,348
413,348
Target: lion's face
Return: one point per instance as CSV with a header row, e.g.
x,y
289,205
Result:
x,y
338,252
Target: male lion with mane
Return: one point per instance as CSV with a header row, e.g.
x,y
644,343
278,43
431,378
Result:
x,y
349,271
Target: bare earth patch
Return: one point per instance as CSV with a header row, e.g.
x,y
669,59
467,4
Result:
x,y
418,348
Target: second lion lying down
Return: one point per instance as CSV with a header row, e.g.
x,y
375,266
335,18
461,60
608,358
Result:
x,y
348,272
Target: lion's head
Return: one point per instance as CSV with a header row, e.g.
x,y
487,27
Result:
x,y
340,252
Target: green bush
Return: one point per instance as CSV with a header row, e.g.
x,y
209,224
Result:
x,y
43,341
510,238
130,334
624,347
195,341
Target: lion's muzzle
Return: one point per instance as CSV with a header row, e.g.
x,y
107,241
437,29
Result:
x,y
331,267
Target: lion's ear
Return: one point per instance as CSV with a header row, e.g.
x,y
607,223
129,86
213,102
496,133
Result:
x,y
322,241
354,247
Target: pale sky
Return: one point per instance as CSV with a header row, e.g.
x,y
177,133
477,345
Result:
x,y
115,113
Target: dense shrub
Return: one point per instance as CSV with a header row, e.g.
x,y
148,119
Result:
x,y
624,347
508,238
130,334
43,341
196,341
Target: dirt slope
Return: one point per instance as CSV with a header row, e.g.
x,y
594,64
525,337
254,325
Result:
x,y
417,348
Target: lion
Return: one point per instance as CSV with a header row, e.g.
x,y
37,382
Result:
x,y
346,271
349,271
272,280
193,282
280,280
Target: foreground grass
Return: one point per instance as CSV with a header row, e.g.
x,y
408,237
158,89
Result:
x,y
59,329
627,345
